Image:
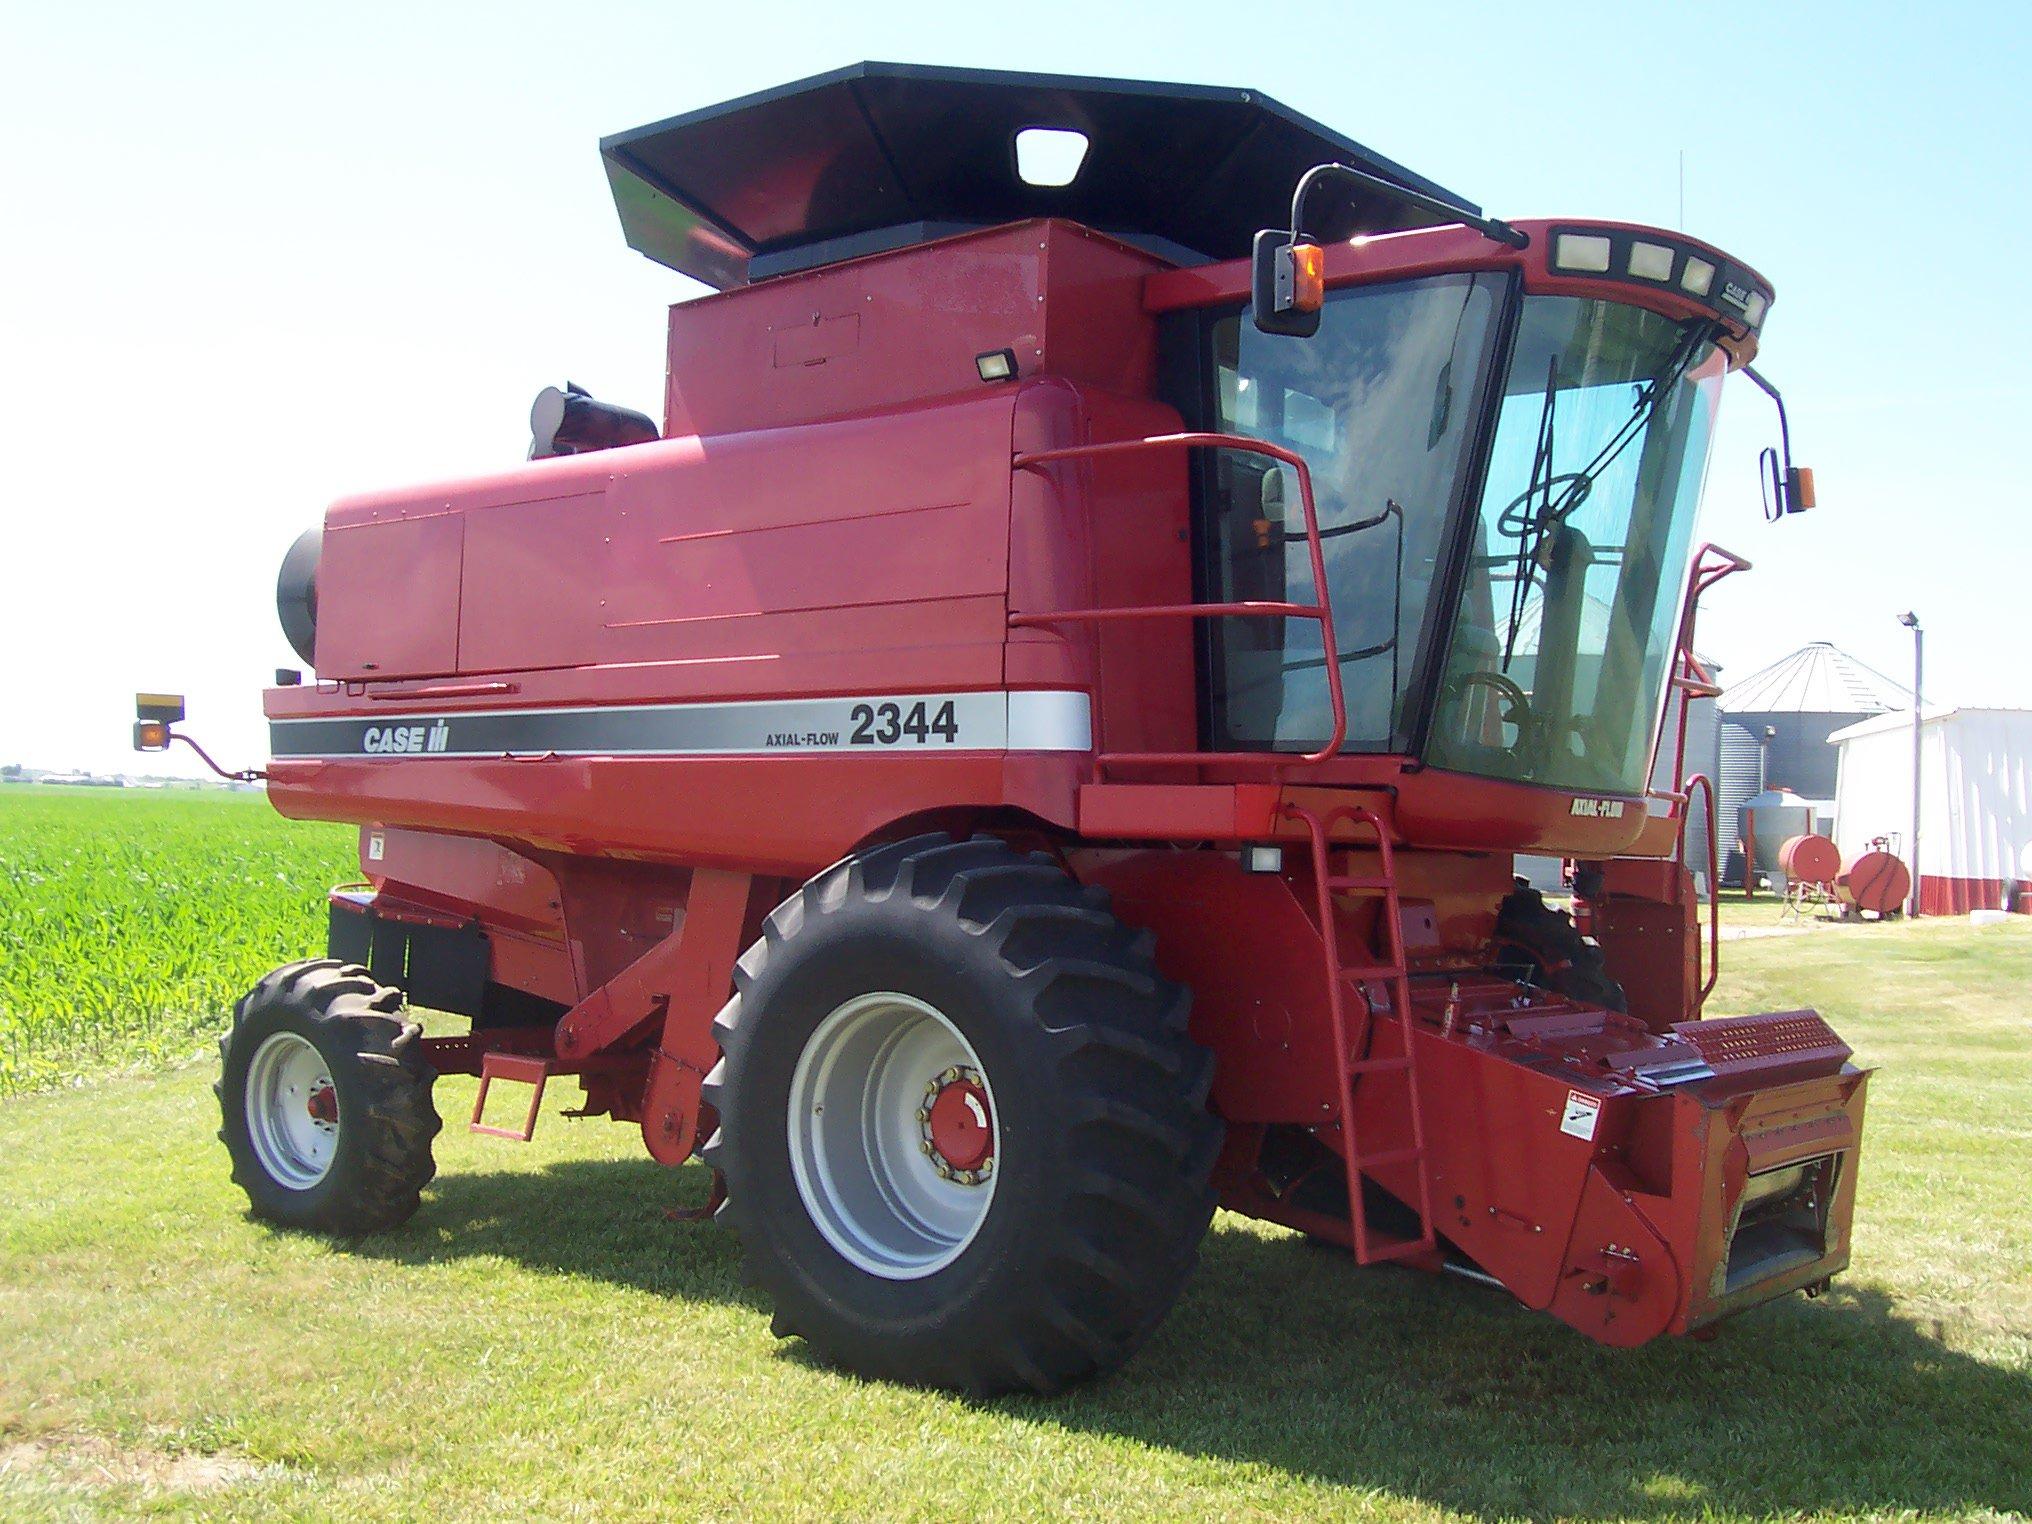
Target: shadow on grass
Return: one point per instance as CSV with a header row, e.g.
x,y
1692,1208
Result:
x,y
1285,1356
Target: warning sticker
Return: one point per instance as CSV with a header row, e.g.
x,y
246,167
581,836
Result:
x,y
1581,1113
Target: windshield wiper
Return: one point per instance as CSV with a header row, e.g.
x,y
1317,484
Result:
x,y
1530,529
1693,338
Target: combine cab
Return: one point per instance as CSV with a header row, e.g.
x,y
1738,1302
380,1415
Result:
x,y
1037,741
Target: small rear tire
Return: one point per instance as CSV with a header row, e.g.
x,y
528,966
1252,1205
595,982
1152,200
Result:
x,y
324,1100
963,1129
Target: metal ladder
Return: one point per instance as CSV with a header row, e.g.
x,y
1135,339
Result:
x,y
1369,1249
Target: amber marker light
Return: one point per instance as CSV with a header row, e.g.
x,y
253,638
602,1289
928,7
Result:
x,y
1308,277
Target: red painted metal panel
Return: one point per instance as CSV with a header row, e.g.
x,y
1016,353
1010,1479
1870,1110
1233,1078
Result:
x,y
454,873
830,651
788,815
1096,330
1051,563
1764,1045
393,602
1178,811
711,550
922,315
1245,946
900,328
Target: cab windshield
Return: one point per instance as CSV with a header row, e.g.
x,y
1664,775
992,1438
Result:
x,y
1557,659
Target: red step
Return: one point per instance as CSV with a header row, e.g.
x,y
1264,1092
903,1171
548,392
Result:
x,y
523,1068
1398,1248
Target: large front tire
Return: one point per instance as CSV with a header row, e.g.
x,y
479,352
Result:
x,y
324,1100
963,1131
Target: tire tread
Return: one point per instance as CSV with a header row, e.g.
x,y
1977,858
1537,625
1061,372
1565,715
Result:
x,y
388,1077
1130,1082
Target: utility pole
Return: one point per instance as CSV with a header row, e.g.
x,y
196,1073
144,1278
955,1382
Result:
x,y
1911,622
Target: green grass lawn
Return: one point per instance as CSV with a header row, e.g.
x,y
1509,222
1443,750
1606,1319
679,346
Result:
x,y
543,1341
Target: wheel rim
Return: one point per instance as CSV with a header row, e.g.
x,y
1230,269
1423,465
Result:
x,y
894,1135
292,1111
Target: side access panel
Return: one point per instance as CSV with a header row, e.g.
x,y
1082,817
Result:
x,y
400,613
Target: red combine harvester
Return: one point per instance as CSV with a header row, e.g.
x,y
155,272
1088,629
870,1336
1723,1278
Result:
x,y
1036,745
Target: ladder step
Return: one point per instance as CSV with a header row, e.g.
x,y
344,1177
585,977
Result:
x,y
1397,1248
1393,1156
1363,881
1379,1065
522,1068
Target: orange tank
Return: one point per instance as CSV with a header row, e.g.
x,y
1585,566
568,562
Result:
x,y
1809,859
1875,881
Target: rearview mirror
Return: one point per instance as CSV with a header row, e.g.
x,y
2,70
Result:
x,y
1787,488
1287,283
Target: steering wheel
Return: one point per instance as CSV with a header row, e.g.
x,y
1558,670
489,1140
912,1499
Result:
x,y
1514,524
1516,702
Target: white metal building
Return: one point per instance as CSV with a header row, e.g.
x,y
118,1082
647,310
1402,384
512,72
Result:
x,y
1975,827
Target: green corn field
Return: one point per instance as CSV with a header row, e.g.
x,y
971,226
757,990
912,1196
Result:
x,y
131,920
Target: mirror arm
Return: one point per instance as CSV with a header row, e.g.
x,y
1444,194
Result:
x,y
1784,423
1488,227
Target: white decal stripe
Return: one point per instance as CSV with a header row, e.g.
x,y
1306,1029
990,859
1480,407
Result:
x,y
935,722
1050,722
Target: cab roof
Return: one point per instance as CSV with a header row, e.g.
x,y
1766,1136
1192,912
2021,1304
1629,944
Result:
x,y
879,156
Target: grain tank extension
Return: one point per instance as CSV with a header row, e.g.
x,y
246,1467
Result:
x,y
1032,742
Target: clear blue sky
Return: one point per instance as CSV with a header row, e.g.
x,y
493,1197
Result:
x,y
255,256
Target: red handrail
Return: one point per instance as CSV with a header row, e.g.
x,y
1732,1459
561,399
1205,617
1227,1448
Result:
x,y
1321,610
1689,679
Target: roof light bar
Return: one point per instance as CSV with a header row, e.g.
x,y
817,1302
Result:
x,y
1727,288
1652,261
1588,252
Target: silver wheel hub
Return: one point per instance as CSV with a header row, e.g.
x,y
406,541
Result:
x,y
894,1135
292,1111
